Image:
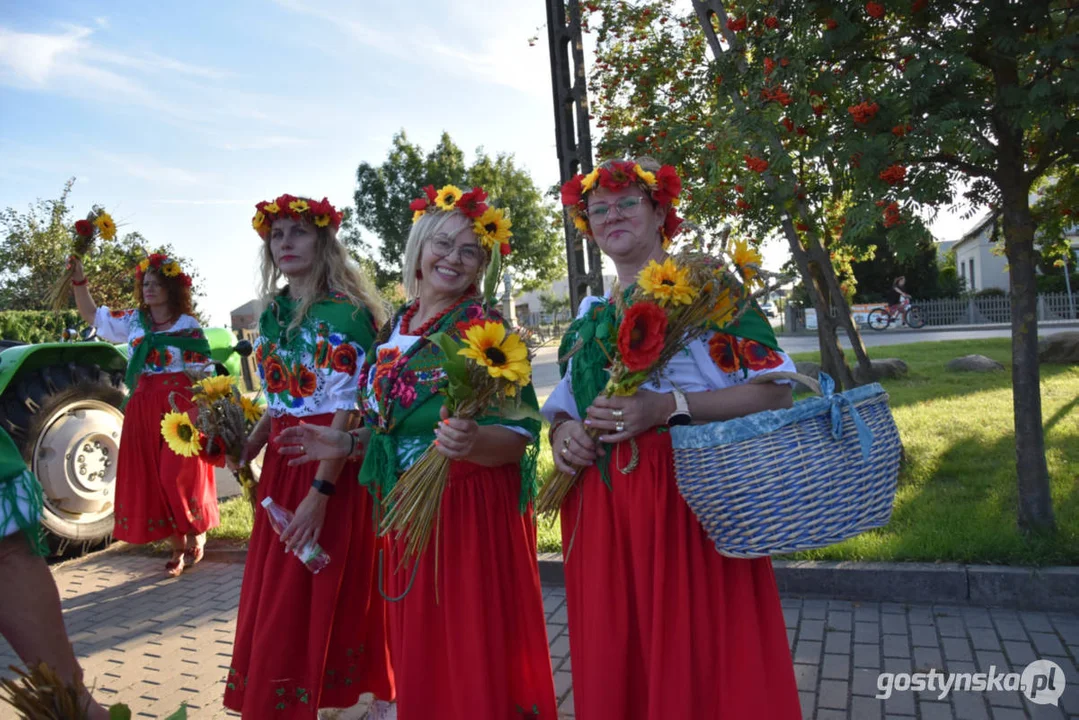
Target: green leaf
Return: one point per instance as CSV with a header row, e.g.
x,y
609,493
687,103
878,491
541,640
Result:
x,y
119,712
491,277
521,412
180,714
455,365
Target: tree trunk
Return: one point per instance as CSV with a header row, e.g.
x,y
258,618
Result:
x,y
831,353
1035,501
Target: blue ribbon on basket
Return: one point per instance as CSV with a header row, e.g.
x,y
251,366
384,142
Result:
x,y
837,402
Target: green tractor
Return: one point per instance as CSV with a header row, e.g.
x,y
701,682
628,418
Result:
x,y
60,402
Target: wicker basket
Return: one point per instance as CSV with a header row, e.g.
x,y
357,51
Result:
x,y
788,480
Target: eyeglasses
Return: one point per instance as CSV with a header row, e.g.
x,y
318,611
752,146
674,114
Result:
x,y
627,206
470,254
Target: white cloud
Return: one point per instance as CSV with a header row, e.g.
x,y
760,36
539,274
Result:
x,y
102,22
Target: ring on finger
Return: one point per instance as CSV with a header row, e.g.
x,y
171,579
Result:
x,y
617,414
619,426
565,442
565,450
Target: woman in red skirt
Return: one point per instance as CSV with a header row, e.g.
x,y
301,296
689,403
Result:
x,y
467,633
660,624
159,494
303,640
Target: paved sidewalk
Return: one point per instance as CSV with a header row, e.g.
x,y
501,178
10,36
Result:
x,y
153,643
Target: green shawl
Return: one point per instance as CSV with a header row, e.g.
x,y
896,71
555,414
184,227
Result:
x,y
405,401
14,476
334,314
158,341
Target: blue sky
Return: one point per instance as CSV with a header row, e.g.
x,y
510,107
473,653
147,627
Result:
x,y
178,117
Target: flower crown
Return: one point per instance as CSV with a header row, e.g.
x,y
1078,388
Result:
x,y
163,264
320,212
663,186
490,224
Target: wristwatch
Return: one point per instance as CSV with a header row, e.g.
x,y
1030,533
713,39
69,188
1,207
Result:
x,y
681,415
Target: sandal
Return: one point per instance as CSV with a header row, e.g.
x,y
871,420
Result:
x,y
174,567
195,554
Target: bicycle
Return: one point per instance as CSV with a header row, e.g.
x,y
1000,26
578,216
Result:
x,y
910,315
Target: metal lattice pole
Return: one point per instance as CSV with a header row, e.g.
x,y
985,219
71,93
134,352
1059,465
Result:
x,y
573,137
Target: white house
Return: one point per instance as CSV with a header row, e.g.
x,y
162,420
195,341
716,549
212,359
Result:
x,y
981,262
530,302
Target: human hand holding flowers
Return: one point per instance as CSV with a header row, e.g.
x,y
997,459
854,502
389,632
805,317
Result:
x,y
574,448
456,437
625,417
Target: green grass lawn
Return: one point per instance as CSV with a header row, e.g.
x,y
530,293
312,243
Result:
x,y
957,492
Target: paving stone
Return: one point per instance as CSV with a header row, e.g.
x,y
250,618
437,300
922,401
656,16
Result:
x,y
867,656
866,632
836,667
811,630
834,694
154,643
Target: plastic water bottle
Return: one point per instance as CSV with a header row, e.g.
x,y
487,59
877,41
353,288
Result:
x,y
311,555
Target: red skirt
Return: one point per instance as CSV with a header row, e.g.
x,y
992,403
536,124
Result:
x,y
660,624
305,641
159,494
480,651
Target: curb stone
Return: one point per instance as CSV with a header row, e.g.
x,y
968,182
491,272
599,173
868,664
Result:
x,y
1020,588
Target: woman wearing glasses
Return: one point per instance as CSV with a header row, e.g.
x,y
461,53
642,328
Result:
x,y
660,624
467,633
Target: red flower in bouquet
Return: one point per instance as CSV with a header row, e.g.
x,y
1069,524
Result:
x,y
213,452
641,335
737,25
472,203
344,358
276,375
504,248
875,9
302,383
84,228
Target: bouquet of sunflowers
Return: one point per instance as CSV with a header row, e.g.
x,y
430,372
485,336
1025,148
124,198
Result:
x,y
97,223
485,373
671,304
216,428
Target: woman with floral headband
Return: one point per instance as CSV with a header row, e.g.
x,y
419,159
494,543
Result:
x,y
159,494
660,624
467,634
304,640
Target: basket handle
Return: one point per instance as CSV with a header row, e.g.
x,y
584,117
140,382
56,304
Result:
x,y
797,377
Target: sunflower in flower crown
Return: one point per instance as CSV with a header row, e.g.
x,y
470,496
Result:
x,y
490,224
319,212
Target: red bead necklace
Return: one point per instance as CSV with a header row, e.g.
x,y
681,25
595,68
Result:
x,y
406,319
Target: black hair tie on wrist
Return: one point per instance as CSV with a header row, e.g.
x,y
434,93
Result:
x,y
326,488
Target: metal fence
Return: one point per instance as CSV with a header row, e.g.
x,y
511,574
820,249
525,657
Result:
x,y
542,328
975,310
